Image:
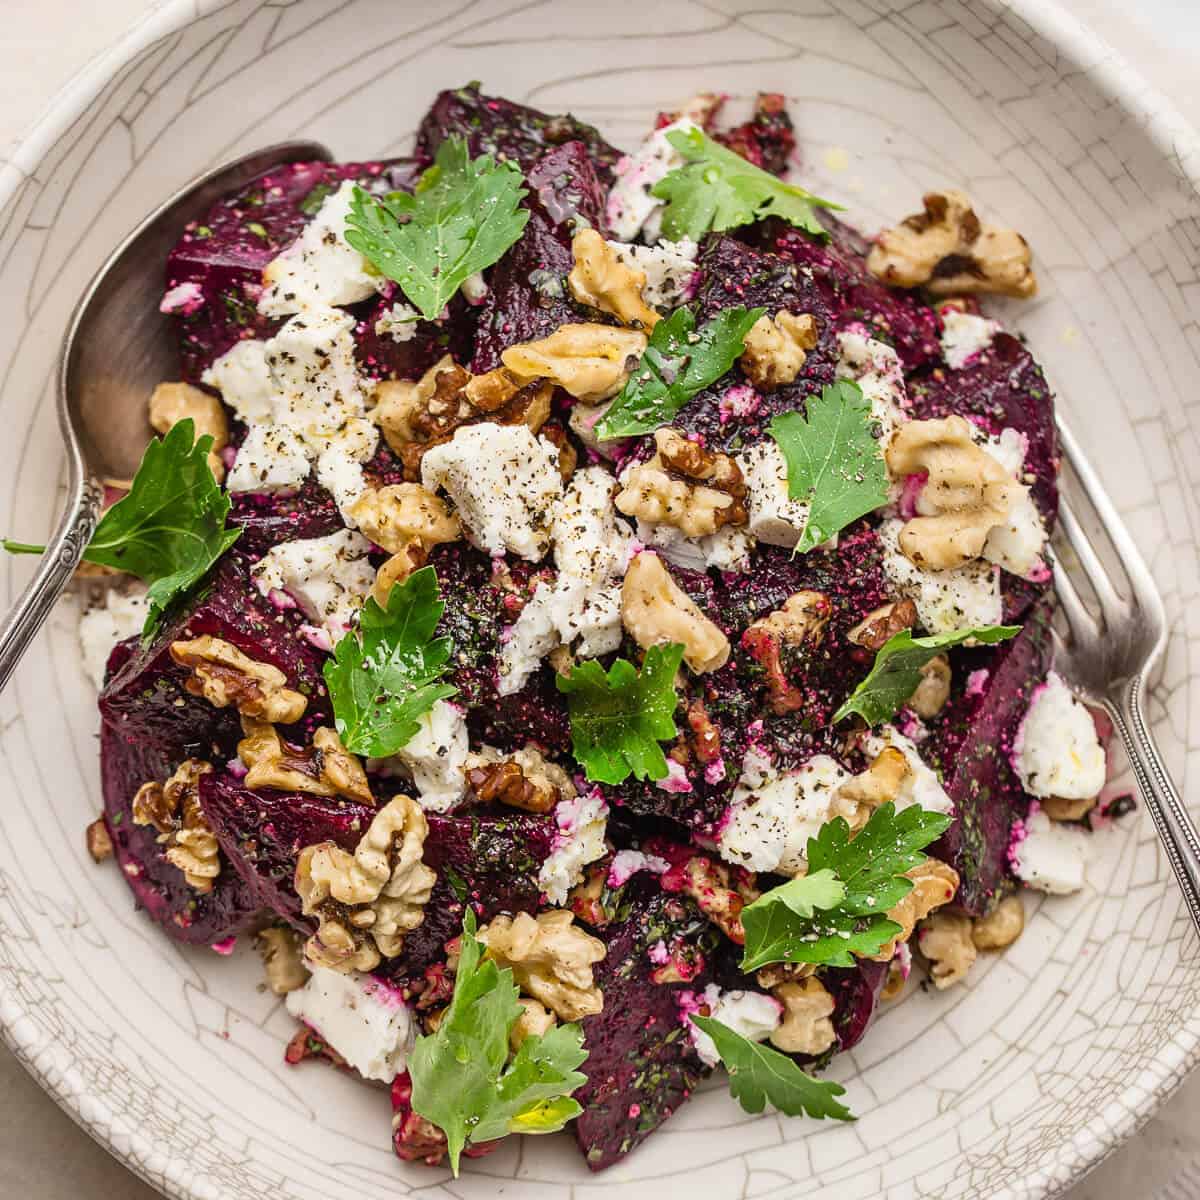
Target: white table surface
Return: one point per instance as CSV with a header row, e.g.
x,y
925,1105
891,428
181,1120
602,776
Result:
x,y
43,1156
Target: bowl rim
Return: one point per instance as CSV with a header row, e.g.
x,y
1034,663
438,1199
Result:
x,y
1173,135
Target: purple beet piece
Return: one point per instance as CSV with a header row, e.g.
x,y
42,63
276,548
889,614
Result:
x,y
381,356
641,1066
146,699
219,260
733,273
855,991
854,296
505,129
268,519
126,762
528,297
768,139
263,831
971,748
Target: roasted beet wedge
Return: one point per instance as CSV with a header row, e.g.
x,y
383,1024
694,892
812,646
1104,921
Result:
x,y
971,748
641,1066
147,699
266,519
733,273
768,139
384,356
214,273
855,992
528,297
506,129
159,887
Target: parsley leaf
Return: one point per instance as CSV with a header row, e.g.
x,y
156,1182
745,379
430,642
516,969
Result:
x,y
803,921
618,719
459,1077
170,528
461,218
718,189
678,363
833,461
758,1074
386,675
897,669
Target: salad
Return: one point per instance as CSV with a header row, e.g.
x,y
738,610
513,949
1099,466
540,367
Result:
x,y
586,619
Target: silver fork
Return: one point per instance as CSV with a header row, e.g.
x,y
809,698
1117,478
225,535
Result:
x,y
1109,654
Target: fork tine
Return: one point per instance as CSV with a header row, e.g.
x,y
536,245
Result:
x,y
1141,581
1112,606
1079,619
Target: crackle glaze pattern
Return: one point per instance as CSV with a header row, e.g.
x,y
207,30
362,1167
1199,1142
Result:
x,y
1012,1086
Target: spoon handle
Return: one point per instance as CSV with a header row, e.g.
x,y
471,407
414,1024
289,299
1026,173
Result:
x,y
54,573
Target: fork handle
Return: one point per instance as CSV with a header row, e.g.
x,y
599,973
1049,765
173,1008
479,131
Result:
x,y
57,567
1175,828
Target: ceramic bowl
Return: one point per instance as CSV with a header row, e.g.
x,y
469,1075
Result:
x,y
1010,1086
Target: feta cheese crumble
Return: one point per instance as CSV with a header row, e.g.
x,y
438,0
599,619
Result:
x,y
398,322
320,268
271,458
1057,751
627,863
1017,544
121,615
582,822
504,482
243,378
877,370
329,577
775,518
362,1018
726,550
1050,857
630,209
752,1014
436,755
964,335
670,268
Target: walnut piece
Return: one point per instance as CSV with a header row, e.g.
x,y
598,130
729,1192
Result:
x,y
934,884
393,516
99,841
950,251
966,495
173,809
878,784
590,361
807,1027
708,883
685,486
171,403
524,779
328,769
1001,927
1058,808
945,940
536,1020
802,618
283,962
776,348
601,280
934,689
397,569
882,624
551,960
656,611
225,676
366,901
777,973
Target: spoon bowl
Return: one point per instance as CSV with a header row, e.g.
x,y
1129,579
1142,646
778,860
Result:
x,y
118,347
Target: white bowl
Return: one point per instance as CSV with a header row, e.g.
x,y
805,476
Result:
x,y
1011,1086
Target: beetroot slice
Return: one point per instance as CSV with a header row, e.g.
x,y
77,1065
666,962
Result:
x,y
146,698
641,1066
126,762
266,519
505,129
971,747
855,992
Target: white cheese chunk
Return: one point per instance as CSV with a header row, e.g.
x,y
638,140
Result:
x,y
243,378
590,540
669,267
966,597
964,335
921,785
771,820
399,322
630,206
1017,544
774,517
328,577
121,615
582,822
752,1014
363,1019
341,474
504,482
877,370
435,756
320,268
270,459
1057,751
1050,857
726,550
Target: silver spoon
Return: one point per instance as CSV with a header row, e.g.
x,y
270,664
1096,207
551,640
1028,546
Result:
x,y
117,349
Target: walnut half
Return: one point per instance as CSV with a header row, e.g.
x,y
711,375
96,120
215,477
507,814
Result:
x,y
225,676
173,809
328,769
807,1025
601,280
174,402
524,779
934,884
590,361
776,348
945,940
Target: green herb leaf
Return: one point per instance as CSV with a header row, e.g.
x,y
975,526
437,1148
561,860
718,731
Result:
x,y
718,189
618,719
679,362
758,1074
461,218
386,675
858,880
459,1075
170,528
834,463
897,669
